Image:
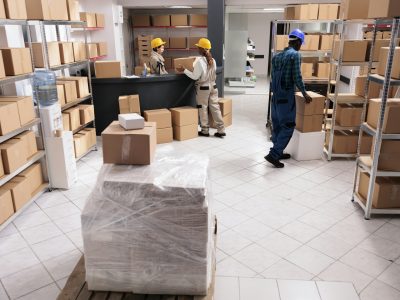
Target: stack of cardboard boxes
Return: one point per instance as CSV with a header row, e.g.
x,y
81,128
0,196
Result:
x,y
163,119
312,12
93,20
170,20
144,45
185,122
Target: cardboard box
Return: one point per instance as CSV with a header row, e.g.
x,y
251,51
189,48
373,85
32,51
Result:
x,y
35,177
89,18
289,13
198,20
328,11
129,104
70,91
192,41
91,133
349,114
47,10
227,121
379,43
141,21
102,48
184,115
1,167
19,188
391,122
306,146
162,20
186,132
79,51
17,61
2,15
107,69
14,155
186,62
225,105
9,117
307,70
346,142
81,82
354,9
73,10
311,123
323,70
66,122
389,159
316,107
179,20
26,111
366,144
93,50
86,113
386,191
66,52
162,117
15,9
131,121
74,118
178,42
306,12
2,70
326,42
6,205
374,88
282,42
129,147
311,42
80,144
100,20
353,50
29,139
53,51
383,9
164,135
383,56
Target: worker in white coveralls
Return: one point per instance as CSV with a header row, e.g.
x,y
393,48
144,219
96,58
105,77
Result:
x,y
205,74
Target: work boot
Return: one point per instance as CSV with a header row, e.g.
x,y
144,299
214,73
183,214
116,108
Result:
x,y
201,133
286,156
273,161
220,135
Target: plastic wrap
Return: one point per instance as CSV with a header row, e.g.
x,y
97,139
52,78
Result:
x,y
149,229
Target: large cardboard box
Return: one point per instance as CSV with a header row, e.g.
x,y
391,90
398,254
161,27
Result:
x,y
282,42
328,11
66,122
17,61
9,117
89,18
29,139
186,132
391,122
26,111
316,107
165,135
35,177
129,104
102,48
389,159
177,42
6,205
53,51
79,51
66,52
354,9
353,50
47,10
311,42
326,42
198,20
383,56
19,188
383,9
346,142
349,114
141,21
81,82
129,147
162,20
93,50
179,20
14,155
73,10
162,117
70,91
74,118
2,15
186,62
306,146
379,43
307,70
184,115
386,191
15,9
86,113
100,20
374,88
323,70
311,123
107,69
306,12
225,105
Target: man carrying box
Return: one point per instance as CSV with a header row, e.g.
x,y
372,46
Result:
x,y
285,77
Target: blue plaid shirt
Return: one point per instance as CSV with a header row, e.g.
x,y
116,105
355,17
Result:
x,y
292,73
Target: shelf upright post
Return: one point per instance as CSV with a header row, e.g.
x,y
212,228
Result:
x,y
44,45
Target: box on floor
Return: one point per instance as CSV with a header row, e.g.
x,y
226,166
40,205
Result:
x,y
226,118
163,119
391,122
131,121
185,122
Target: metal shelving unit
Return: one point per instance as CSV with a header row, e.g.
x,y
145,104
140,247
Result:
x,y
367,164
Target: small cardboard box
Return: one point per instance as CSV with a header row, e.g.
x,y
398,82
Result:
x,y
306,12
86,113
383,9
100,20
47,10
29,139
311,123
89,18
177,42
141,21
74,118
129,147
17,61
179,20
162,117
81,82
66,52
316,107
79,51
102,48
14,155
282,42
198,20
107,69
26,111
354,9
80,144
93,50
307,70
162,21
391,122
6,205
129,104
70,91
389,159
53,51
73,10
15,9
131,121
326,42
311,42
9,117
323,70
383,55
353,50
186,132
66,122
186,62
225,105
328,11
349,114
165,135
184,115
19,188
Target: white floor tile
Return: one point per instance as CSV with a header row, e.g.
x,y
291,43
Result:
x,y
230,198
317,220
33,207
41,233
9,230
76,237
231,242
390,232
62,210
69,223
248,189
231,217
31,220
279,244
379,290
17,261
252,230
226,288
391,276
3,294
357,220
286,270
351,235
300,231
220,255
309,200
298,290
53,247
310,260
330,245
62,266
260,289
49,292
256,258
337,290
231,267
11,243
381,247
51,199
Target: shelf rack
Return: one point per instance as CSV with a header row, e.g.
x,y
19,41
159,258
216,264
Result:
x,y
367,164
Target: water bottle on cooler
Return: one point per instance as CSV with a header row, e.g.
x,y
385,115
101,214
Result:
x,y
45,88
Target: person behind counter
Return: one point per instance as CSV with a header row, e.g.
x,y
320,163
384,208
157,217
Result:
x,y
204,72
157,65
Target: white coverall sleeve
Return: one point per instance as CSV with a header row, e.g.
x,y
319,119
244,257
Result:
x,y
197,71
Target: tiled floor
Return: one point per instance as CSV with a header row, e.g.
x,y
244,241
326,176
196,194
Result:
x,y
283,234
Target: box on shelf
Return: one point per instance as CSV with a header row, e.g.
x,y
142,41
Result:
x,y
35,177
141,21
162,117
9,118
26,112
15,9
102,48
19,188
81,82
100,20
2,69
354,9
66,122
2,16
326,42
311,42
323,70
184,115
391,122
198,20
74,118
186,62
316,107
307,70
131,121
29,138
53,52
383,9
282,42
289,13
328,11
379,43
93,50
192,41
306,146
70,90
47,10
107,69
349,114
185,132
177,42
346,142
86,113
6,205
179,20
353,50
129,147
66,52
17,61
1,167
91,136
162,20
225,105
389,159
73,10
80,144
89,18
79,51
383,56
311,123
129,104
374,88
306,12
14,155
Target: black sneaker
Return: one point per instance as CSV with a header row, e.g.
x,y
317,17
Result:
x,y
203,134
273,161
220,135
286,156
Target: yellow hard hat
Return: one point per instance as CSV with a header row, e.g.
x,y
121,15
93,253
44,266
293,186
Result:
x,y
157,42
204,43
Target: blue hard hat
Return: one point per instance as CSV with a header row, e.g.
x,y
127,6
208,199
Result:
x,y
298,34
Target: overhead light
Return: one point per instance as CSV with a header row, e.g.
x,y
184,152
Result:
x,y
274,9
179,6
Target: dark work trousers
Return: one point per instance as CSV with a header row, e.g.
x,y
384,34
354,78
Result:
x,y
283,116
